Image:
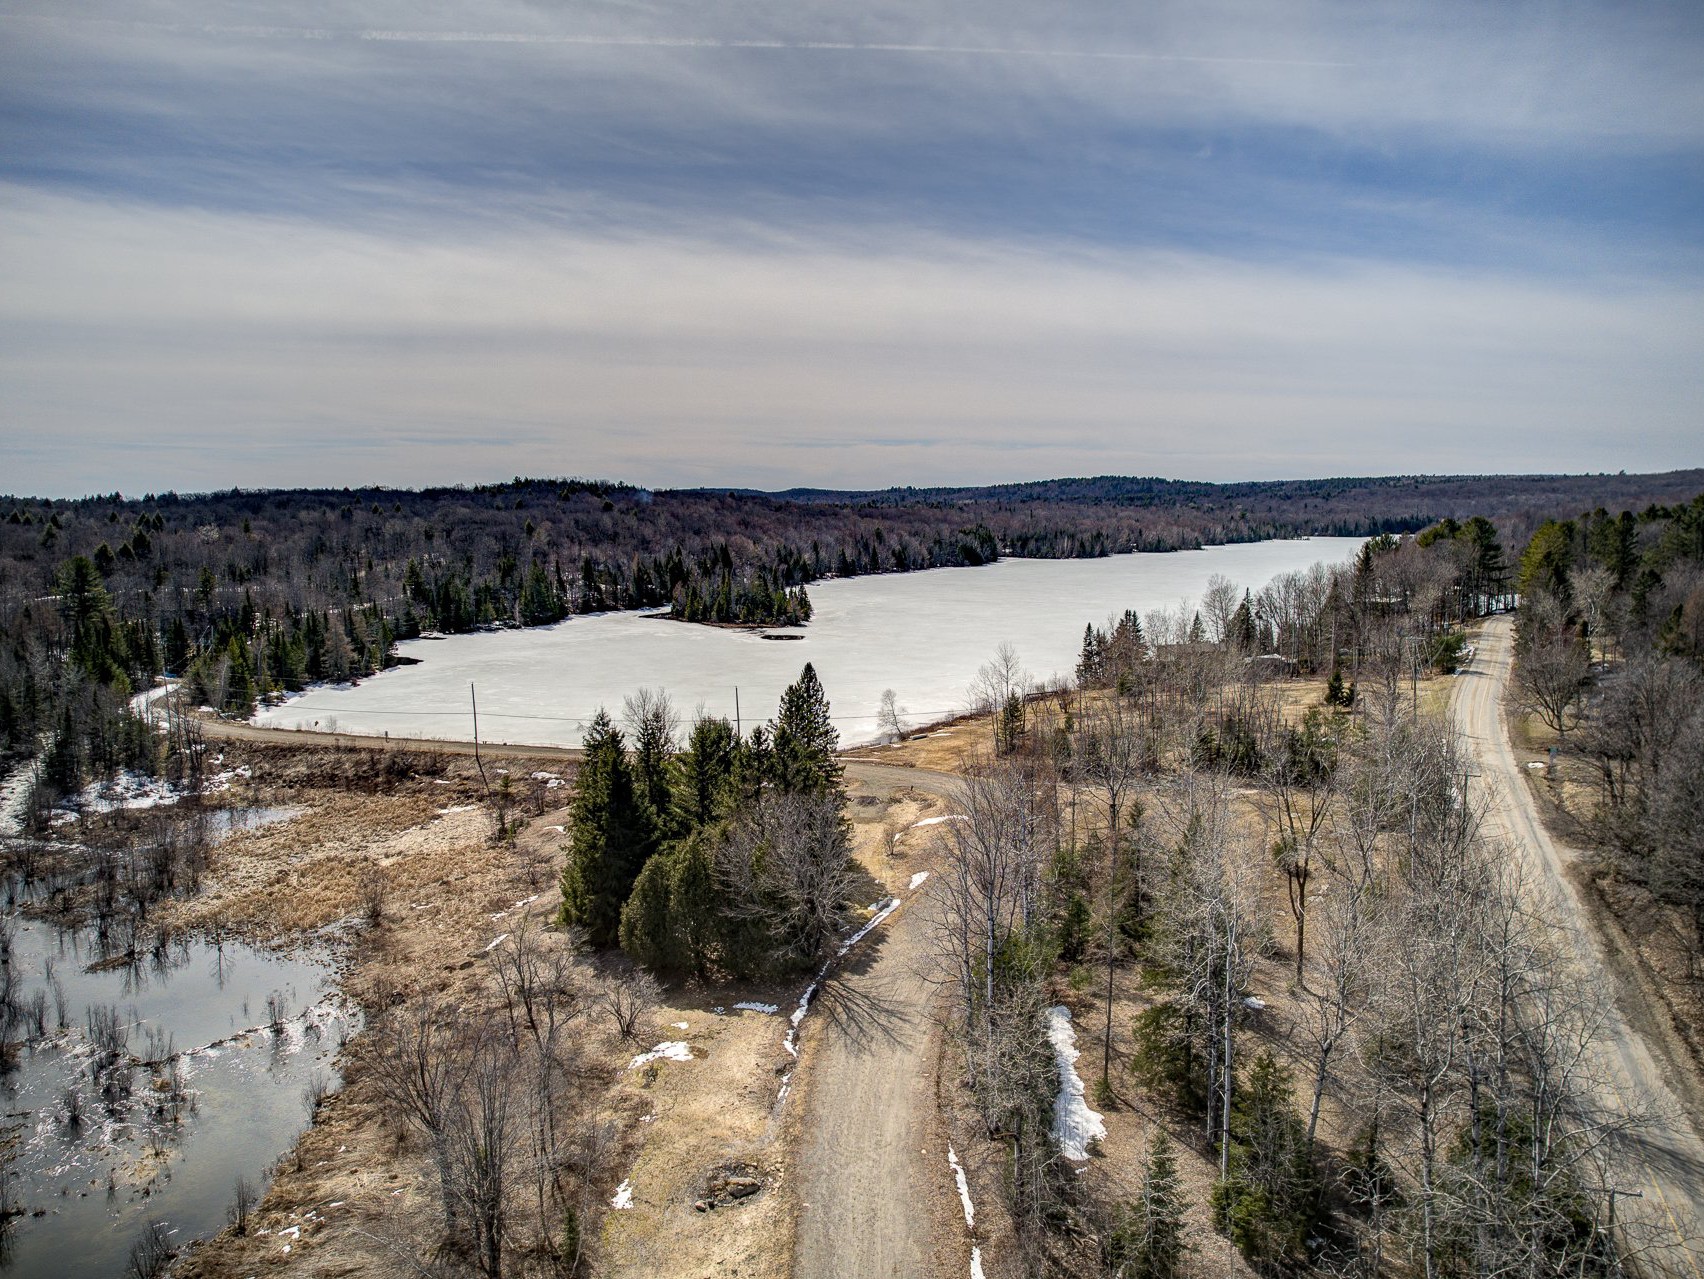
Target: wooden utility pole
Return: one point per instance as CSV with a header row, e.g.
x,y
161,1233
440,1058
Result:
x,y
474,698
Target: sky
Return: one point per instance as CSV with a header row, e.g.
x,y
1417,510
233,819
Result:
x,y
845,245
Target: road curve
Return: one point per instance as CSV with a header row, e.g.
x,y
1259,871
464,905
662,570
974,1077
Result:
x,y
1665,1158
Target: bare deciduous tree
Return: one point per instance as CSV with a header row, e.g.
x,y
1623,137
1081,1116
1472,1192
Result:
x,y
890,716
788,864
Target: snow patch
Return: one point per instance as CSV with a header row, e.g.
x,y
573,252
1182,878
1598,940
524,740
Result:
x,y
963,1188
457,808
497,941
882,910
623,1195
672,1050
752,1006
128,790
1254,1001
936,821
976,1264
917,879
1074,1124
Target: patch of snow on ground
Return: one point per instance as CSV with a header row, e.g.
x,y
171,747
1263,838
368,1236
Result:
x,y
917,879
1074,1124
623,1195
882,910
497,941
679,1025
976,1264
457,808
963,1188
1254,1002
753,1006
673,1050
127,790
936,821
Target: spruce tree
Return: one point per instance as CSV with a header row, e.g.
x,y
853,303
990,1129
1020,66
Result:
x,y
805,741
1150,1244
1270,1202
608,838
704,774
647,920
695,901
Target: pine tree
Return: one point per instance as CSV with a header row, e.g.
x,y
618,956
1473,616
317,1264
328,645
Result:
x,y
608,837
804,741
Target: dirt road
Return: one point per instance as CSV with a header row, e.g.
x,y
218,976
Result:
x,y
235,731
1665,1159
870,1164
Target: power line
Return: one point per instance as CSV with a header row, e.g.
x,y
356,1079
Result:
x,y
558,719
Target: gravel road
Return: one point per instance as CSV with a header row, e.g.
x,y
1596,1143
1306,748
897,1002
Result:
x,y
869,1166
1665,1159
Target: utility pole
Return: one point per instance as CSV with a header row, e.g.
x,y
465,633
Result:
x,y
474,698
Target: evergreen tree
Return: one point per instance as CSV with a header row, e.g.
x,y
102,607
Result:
x,y
696,905
1269,1203
1241,632
1091,660
650,717
804,740
704,774
609,839
1149,1244
648,933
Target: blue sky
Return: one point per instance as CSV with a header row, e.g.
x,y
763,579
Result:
x,y
266,244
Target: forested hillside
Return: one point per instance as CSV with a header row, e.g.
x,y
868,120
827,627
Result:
x,y
249,593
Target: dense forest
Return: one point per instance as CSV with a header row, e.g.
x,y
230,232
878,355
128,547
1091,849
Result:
x,y
247,594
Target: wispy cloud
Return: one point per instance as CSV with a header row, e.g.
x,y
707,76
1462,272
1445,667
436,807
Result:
x,y
873,244
686,360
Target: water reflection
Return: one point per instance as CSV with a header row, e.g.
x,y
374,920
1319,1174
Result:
x,y
144,1074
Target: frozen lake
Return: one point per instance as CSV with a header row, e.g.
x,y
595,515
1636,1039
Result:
x,y
924,635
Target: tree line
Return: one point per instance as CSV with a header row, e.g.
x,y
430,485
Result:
x,y
1610,656
251,594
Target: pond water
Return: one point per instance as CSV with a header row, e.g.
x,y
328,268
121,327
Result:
x,y
157,1085
922,634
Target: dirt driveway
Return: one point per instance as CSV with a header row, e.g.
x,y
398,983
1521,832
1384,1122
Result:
x,y
872,1176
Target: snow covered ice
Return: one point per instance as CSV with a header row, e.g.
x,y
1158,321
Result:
x,y
543,685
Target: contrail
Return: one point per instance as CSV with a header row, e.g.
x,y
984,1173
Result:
x,y
378,35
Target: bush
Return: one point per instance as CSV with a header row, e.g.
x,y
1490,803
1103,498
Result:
x,y
1443,652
